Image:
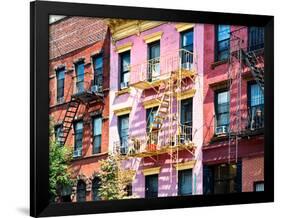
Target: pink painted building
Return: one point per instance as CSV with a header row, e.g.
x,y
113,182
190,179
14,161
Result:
x,y
156,105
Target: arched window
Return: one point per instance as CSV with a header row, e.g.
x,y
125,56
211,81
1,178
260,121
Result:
x,y
81,191
95,189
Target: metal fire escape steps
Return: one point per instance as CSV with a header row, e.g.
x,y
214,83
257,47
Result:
x,y
256,66
70,114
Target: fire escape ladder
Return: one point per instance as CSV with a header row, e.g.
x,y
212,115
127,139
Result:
x,y
256,66
162,111
70,114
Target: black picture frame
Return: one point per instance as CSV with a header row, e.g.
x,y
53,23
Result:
x,y
39,108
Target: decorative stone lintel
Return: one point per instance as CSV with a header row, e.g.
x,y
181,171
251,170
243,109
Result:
x,y
153,37
125,47
184,26
151,103
185,166
186,94
151,171
122,111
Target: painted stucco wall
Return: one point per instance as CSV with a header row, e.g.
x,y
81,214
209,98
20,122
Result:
x,y
170,42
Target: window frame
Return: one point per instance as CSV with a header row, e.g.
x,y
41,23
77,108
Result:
x,y
216,107
123,148
95,70
181,39
56,127
59,99
180,173
121,68
255,46
96,183
82,81
80,189
217,41
99,135
149,58
258,183
75,136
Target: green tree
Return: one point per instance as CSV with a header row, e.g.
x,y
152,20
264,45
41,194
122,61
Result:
x,y
113,179
59,161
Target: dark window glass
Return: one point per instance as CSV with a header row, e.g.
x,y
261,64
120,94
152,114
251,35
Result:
x,y
128,190
95,189
98,70
225,178
58,133
60,84
185,182
79,76
97,131
123,122
151,186
125,69
222,42
259,186
78,128
222,111
186,119
153,60
256,106
81,191
187,49
256,38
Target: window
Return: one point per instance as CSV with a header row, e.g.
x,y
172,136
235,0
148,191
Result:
x,y
58,133
128,190
153,60
98,71
259,186
123,122
222,111
97,129
79,66
186,119
185,182
60,84
125,69
78,130
81,191
151,186
150,116
256,106
225,178
222,42
256,38
187,49
95,189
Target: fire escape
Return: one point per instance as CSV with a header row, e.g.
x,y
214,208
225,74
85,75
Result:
x,y
81,93
243,58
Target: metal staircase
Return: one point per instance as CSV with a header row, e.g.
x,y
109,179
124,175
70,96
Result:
x,y
162,111
256,64
70,114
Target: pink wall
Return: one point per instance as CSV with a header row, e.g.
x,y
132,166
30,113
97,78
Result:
x,y
169,44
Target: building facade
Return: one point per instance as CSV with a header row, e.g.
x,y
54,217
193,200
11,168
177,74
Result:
x,y
233,151
156,101
79,97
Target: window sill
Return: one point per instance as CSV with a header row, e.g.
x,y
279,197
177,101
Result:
x,y
123,91
88,157
218,63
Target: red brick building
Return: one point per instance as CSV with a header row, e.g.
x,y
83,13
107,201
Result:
x,y
79,96
233,151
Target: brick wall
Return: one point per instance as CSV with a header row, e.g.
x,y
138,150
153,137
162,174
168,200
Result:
x,y
252,171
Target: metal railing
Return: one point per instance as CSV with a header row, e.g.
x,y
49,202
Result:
x,y
161,67
153,141
94,86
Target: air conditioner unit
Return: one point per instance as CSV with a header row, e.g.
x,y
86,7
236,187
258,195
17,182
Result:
x,y
77,153
221,130
124,85
60,100
96,88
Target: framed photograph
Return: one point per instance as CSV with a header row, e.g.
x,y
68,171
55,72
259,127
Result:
x,y
142,109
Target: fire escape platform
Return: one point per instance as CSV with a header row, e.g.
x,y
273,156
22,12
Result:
x,y
163,149
144,84
88,96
